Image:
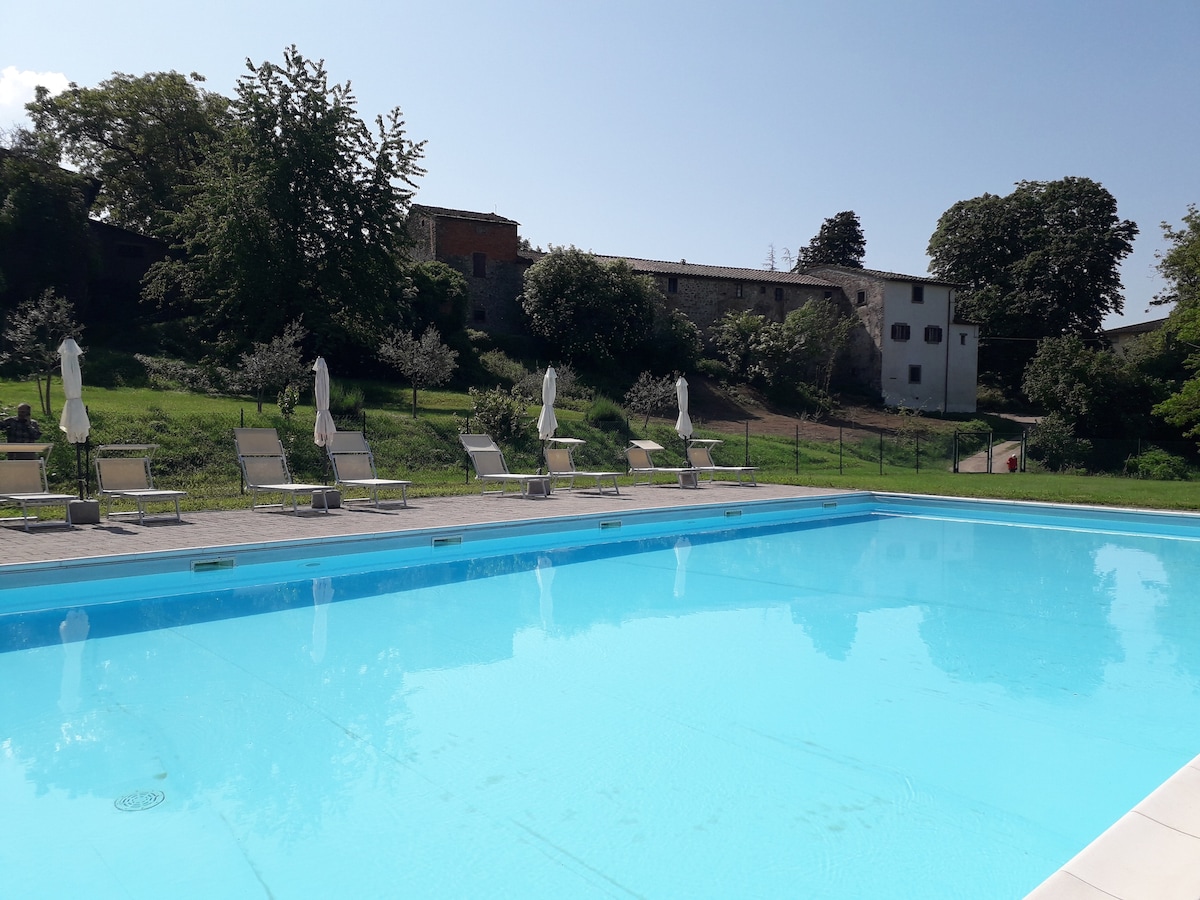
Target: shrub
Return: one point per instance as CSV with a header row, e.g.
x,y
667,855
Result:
x,y
569,390
606,413
715,369
1158,465
345,400
172,374
1053,443
502,414
504,368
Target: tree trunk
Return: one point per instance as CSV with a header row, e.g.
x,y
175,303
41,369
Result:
x,y
414,401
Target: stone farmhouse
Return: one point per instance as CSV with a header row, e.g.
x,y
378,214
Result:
x,y
912,348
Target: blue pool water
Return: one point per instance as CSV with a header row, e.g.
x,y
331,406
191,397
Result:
x,y
904,700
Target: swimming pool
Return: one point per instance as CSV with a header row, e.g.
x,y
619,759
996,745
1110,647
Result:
x,y
885,697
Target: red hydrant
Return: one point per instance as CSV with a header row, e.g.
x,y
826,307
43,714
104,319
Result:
x,y
1012,463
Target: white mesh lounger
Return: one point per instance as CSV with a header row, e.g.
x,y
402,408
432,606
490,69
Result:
x,y
23,484
265,469
560,463
354,467
700,456
490,468
641,463
128,478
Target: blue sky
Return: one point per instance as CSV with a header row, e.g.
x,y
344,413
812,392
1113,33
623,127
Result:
x,y
711,131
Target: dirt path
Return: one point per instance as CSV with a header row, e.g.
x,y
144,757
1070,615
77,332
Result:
x,y
1000,454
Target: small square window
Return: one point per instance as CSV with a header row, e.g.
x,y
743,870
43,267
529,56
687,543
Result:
x,y
860,298
479,265
962,338
914,374
737,290
672,285
933,334
479,315
918,293
762,288
778,295
900,331
829,295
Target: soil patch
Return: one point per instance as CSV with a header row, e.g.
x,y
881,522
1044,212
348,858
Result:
x,y
712,406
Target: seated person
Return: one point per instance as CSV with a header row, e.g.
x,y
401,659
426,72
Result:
x,y
21,429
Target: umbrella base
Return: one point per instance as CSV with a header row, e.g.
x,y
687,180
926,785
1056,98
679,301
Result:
x,y
333,498
83,512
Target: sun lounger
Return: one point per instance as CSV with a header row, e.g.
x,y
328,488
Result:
x,y
23,484
641,463
354,467
560,463
490,468
129,478
264,466
700,456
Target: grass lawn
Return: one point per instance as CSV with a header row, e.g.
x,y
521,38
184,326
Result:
x,y
195,450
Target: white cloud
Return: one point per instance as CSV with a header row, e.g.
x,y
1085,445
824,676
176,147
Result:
x,y
16,89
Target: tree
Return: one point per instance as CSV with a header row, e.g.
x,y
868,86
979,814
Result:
x,y
274,364
45,241
736,336
425,362
820,333
299,212
650,395
589,312
840,242
34,332
672,343
1096,392
1040,262
143,138
440,299
1180,268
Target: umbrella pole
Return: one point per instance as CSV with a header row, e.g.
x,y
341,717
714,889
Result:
x,y
79,469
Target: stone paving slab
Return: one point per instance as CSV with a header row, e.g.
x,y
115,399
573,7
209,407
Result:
x,y
199,530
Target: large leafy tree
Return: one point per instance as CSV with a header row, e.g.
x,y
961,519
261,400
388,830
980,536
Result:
x,y
142,138
1100,394
840,242
1179,265
298,213
1040,262
588,311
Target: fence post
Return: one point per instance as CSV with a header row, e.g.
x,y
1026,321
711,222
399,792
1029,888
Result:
x,y
747,462
880,452
955,454
991,447
917,442
839,449
1024,446
797,448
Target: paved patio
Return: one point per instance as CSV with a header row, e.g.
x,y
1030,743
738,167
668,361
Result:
x,y
115,537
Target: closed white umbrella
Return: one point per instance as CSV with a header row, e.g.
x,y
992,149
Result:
x,y
547,422
74,419
683,425
324,426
